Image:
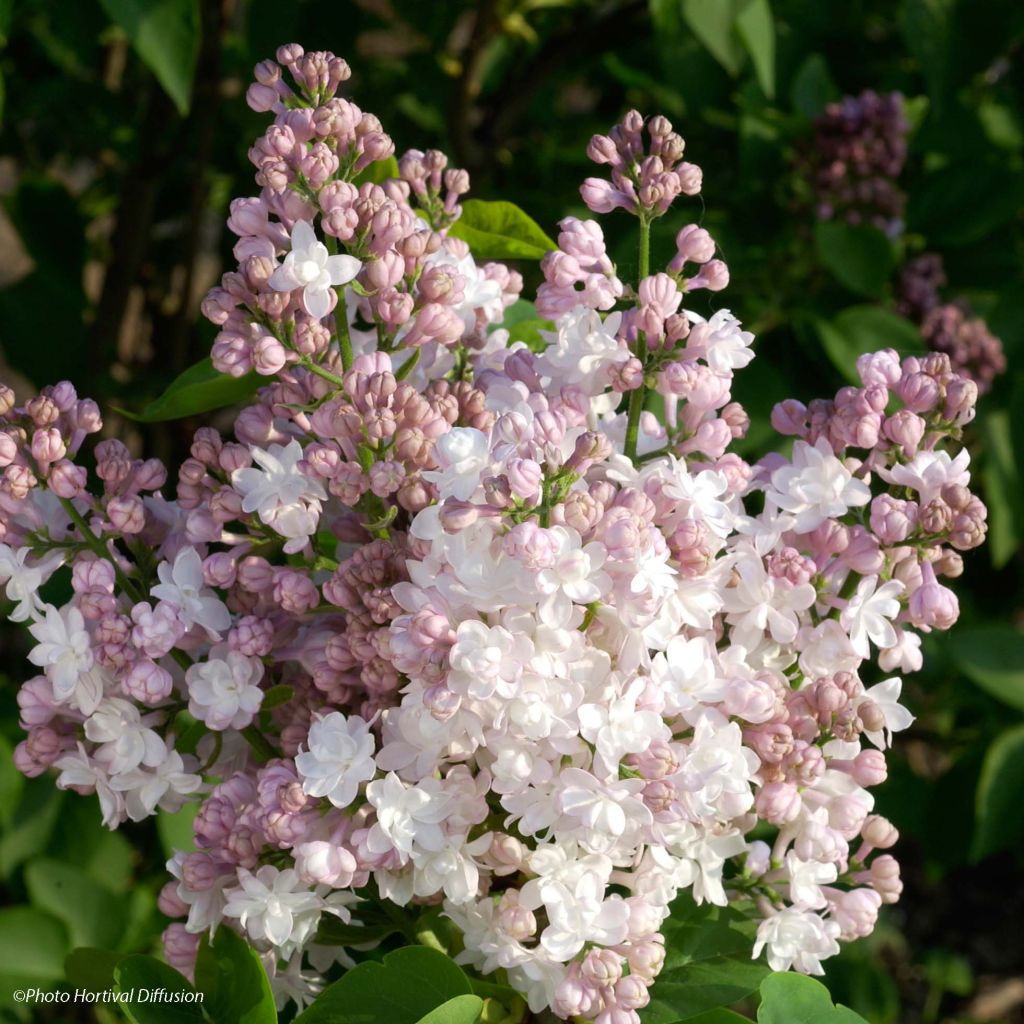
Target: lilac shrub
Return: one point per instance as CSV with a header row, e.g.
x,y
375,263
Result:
x,y
453,621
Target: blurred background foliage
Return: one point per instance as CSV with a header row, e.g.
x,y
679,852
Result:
x,y
124,137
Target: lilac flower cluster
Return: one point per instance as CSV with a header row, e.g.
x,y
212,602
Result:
x,y
465,621
854,157
949,327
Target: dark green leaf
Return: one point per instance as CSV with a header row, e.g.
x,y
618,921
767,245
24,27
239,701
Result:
x,y
964,202
165,34
927,29
860,329
859,256
707,963
999,823
813,86
276,696
713,23
231,976
790,998
993,657
92,914
33,822
91,969
499,230
757,30
379,171
32,950
175,830
1004,490
12,782
410,983
460,1010
180,1003
199,389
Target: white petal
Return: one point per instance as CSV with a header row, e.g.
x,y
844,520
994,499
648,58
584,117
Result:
x,y
317,301
303,236
283,279
342,269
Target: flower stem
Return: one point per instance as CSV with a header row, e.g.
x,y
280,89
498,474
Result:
x,y
636,398
100,549
321,372
344,338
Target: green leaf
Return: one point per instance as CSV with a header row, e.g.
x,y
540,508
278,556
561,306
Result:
x,y
999,823
30,828
1004,490
756,28
276,696
175,830
523,324
927,30
813,86
964,202
500,230
789,998
859,256
379,171
719,1016
12,783
199,389
180,1002
860,329
165,34
231,975
713,22
993,657
460,1010
91,969
707,963
32,949
403,989
92,914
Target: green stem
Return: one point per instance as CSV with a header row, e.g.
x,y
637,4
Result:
x,y
344,338
645,247
100,549
409,365
263,748
326,374
637,397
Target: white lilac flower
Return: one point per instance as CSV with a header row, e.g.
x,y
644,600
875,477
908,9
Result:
x,y
183,587
407,815
486,659
224,691
758,603
64,652
797,938
280,493
886,696
929,471
687,673
576,576
725,345
869,613
274,906
338,758
581,351
462,455
701,495
23,581
166,785
816,486
312,268
617,727
806,877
